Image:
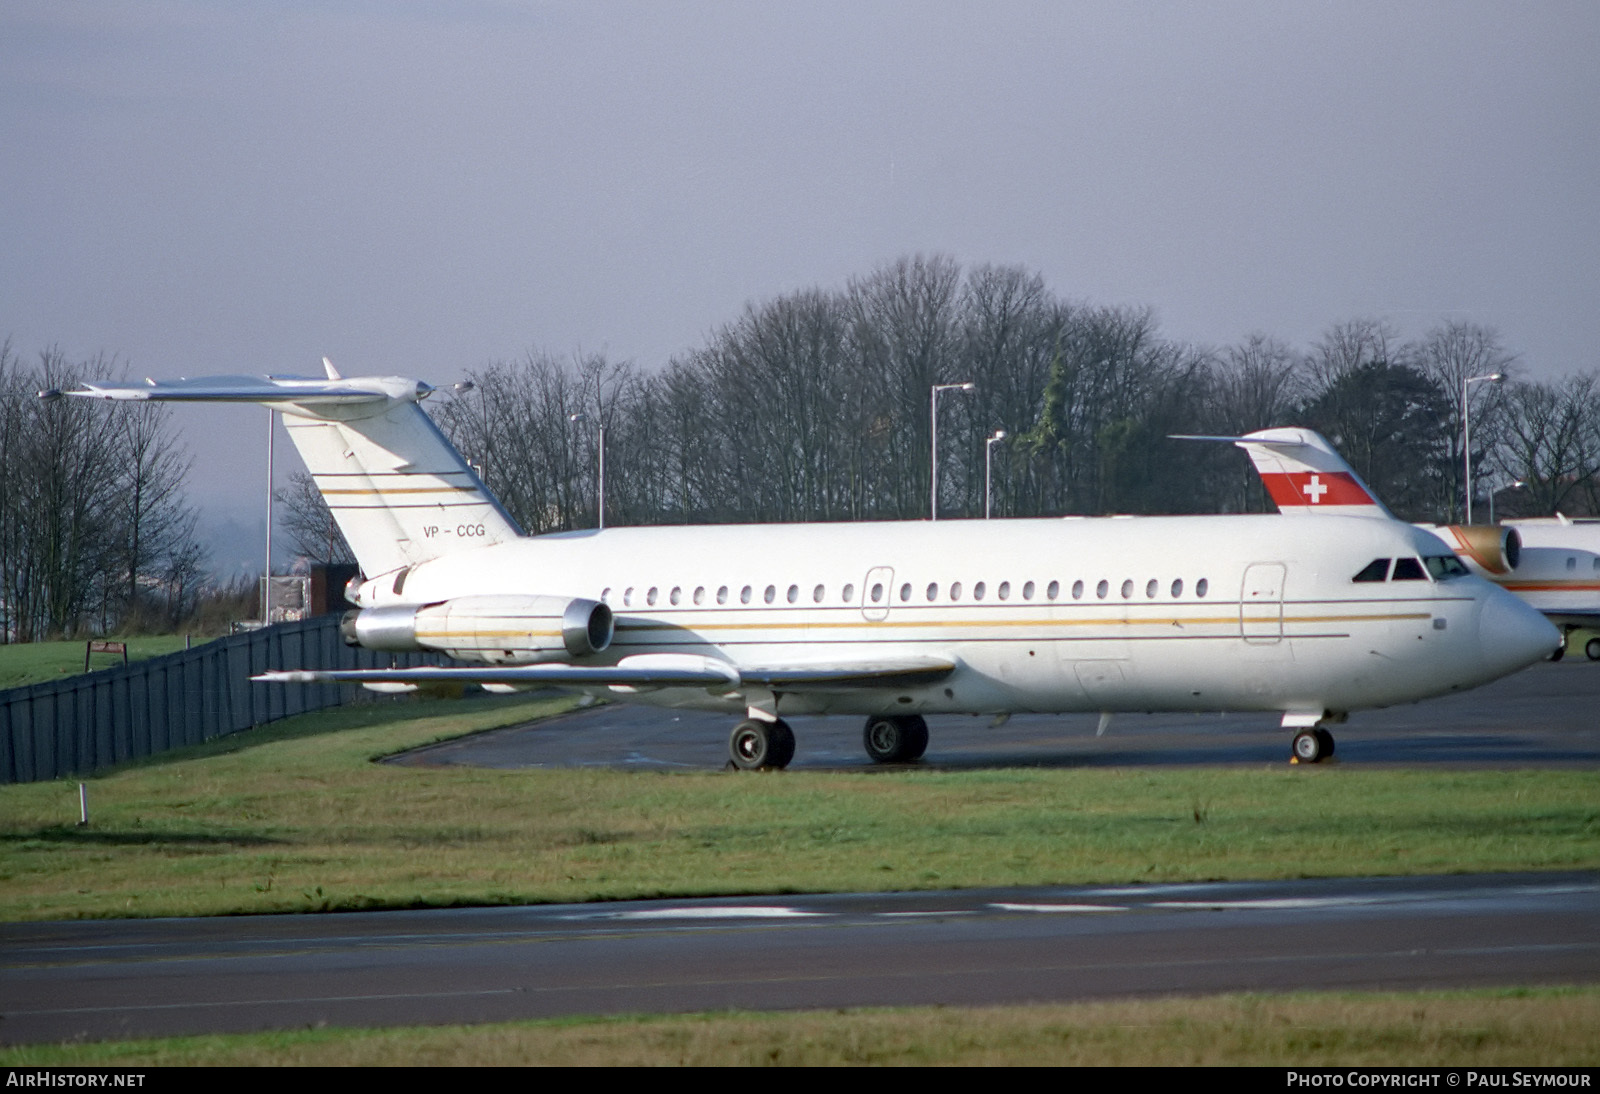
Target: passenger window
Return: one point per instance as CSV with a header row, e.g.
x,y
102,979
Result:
x,y
794,594
1005,586
1408,569
1177,588
1201,586
955,591
1127,589
722,594
817,594
905,592
1054,590
933,590
771,594
1027,591
849,593
877,593
677,595
1572,563
1152,588
650,597
1077,590
978,591
1102,589
627,597
1376,570
605,594
699,594
744,595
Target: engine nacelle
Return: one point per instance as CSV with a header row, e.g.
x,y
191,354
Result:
x,y
500,629
1492,548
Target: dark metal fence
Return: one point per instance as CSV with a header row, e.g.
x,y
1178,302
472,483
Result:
x,y
85,723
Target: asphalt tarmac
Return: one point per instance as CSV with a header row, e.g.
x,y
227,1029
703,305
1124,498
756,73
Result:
x,y
112,979
1545,716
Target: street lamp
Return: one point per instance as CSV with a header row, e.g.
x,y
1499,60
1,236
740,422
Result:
x,y
988,465
600,489
1466,429
933,473
1517,485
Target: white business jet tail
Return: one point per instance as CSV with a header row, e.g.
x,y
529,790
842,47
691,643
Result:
x,y
1304,475
398,489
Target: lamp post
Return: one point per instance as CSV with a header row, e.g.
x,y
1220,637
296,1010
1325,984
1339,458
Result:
x,y
933,471
1466,429
1517,485
600,474
988,466
266,578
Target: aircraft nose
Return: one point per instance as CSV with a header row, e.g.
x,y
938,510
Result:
x,y
1512,636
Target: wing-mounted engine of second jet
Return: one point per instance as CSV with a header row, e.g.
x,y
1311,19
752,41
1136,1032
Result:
x,y
1492,550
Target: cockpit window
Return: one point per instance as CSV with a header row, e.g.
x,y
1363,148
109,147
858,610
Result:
x,y
1444,566
1408,569
1376,570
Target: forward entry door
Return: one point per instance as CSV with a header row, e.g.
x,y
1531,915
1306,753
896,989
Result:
x,y
1261,604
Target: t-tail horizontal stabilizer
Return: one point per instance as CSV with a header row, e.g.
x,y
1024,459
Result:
x,y
398,489
1303,473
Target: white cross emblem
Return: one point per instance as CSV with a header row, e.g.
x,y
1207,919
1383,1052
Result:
x,y
1314,489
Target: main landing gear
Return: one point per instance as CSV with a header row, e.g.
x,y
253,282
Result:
x,y
895,739
757,744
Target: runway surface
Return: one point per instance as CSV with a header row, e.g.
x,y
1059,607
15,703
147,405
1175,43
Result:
x,y
1545,716
110,979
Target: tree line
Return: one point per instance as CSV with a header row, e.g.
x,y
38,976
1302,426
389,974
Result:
x,y
95,531
816,405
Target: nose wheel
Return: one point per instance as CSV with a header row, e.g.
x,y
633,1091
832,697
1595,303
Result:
x,y
1312,746
756,745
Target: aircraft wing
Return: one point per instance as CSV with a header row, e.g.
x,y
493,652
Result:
x,y
648,671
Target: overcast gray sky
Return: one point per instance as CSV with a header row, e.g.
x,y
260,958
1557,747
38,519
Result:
x,y
201,186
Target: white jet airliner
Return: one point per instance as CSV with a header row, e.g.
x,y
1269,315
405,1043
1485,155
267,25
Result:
x,y
1552,564
893,621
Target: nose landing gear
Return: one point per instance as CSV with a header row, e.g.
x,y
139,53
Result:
x,y
1311,746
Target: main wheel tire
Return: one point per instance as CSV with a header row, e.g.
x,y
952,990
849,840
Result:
x,y
883,738
916,738
1592,649
1307,746
780,746
891,739
755,745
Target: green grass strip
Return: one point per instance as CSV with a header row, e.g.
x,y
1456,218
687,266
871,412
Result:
x,y
1551,1027
295,817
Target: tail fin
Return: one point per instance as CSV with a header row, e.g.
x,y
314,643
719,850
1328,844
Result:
x,y
399,490
1304,475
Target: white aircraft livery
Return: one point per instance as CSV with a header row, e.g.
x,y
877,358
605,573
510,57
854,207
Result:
x,y
891,621
1552,564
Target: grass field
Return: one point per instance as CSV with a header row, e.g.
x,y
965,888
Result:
x,y
37,662
1548,1028
295,817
